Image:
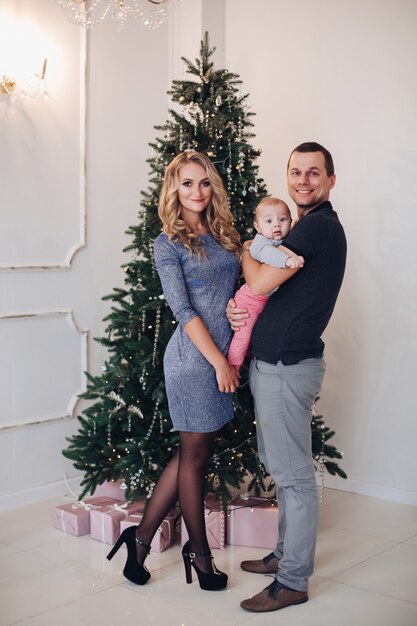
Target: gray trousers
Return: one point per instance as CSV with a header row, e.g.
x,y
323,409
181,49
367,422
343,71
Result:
x,y
284,396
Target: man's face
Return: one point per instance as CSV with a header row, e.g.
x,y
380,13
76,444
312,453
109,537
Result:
x,y
308,182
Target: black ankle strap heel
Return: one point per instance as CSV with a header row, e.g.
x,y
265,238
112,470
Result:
x,y
133,571
212,581
145,545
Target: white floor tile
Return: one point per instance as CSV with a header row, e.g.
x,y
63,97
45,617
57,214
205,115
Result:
x,y
89,556
366,573
29,526
221,607
338,550
119,606
412,541
332,604
6,550
371,516
30,585
393,573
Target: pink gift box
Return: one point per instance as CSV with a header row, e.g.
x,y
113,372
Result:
x,y
215,524
74,518
164,536
111,489
105,522
252,522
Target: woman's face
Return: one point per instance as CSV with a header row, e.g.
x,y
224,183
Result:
x,y
194,191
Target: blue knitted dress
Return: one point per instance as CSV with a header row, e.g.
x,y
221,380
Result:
x,y
196,286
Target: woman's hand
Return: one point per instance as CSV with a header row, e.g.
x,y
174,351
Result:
x,y
227,377
236,316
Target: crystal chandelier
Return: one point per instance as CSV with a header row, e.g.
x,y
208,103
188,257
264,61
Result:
x,y
89,13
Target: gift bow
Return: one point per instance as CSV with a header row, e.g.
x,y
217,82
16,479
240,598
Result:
x,y
85,505
121,507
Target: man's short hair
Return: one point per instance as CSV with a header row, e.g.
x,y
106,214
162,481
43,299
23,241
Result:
x,y
312,146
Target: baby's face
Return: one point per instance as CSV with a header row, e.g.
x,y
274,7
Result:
x,y
273,221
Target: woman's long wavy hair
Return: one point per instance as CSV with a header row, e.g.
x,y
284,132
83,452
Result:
x,y
217,216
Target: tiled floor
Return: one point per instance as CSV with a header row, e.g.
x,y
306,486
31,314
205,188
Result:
x,y
366,575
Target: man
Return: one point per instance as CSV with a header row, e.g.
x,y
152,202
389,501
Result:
x,y
287,369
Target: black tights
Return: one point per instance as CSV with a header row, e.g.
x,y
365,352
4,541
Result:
x,y
183,479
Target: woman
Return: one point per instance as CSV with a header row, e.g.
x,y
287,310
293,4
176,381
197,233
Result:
x,y
197,258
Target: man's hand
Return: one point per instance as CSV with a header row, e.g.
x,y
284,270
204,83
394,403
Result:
x,y
236,316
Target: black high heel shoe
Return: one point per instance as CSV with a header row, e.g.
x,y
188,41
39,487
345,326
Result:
x,y
134,572
213,581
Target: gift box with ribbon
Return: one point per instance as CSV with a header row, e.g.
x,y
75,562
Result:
x,y
164,536
114,489
252,522
215,523
105,522
74,518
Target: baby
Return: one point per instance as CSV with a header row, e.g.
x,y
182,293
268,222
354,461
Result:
x,y
272,223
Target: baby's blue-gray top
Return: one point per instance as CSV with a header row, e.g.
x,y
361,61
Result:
x,y
265,250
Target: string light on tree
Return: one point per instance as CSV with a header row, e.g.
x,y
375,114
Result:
x,y
128,405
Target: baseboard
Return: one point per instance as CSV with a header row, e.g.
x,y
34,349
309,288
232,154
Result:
x,y
369,489
38,494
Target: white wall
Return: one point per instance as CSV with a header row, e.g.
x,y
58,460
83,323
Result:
x,y
336,72
127,81
343,74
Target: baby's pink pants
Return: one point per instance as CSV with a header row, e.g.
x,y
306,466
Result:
x,y
245,299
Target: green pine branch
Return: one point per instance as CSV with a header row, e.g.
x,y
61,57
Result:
x,y
126,432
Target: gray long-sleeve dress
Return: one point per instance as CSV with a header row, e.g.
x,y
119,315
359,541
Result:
x,y
196,287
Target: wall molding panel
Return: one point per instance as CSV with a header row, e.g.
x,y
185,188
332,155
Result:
x,y
43,146
42,370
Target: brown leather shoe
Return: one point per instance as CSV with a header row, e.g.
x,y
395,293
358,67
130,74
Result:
x,y
267,565
274,597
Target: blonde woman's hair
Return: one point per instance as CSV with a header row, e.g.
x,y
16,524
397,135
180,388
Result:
x,y
217,216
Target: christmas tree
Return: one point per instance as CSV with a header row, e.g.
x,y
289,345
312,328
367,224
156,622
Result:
x,y
126,432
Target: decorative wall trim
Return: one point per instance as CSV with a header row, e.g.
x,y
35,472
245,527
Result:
x,y
82,175
21,425
70,413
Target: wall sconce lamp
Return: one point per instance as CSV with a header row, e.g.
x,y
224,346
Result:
x,y
9,86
